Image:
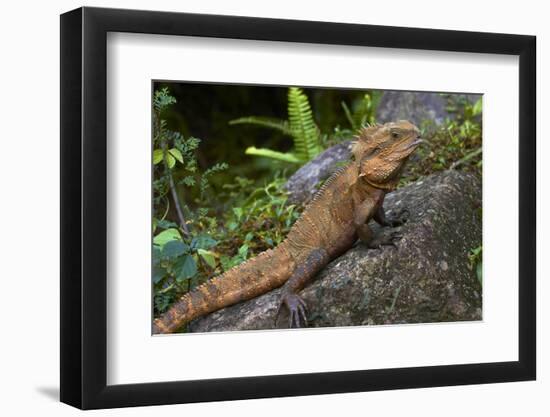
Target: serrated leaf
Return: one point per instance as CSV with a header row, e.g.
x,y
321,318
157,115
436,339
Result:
x,y
170,161
176,154
165,236
185,268
208,256
157,156
174,248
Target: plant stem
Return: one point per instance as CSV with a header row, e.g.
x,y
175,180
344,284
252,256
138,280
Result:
x,y
177,205
171,183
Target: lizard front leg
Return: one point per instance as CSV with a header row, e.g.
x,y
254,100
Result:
x,y
363,213
297,308
398,220
367,236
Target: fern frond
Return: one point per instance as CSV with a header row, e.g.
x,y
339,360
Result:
x,y
304,130
269,153
281,125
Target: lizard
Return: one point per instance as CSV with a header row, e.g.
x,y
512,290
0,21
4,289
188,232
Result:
x,y
330,225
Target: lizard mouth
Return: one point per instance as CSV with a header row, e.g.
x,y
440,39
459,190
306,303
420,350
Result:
x,y
409,148
417,142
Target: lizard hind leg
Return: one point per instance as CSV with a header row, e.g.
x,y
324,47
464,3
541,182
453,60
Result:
x,y
304,272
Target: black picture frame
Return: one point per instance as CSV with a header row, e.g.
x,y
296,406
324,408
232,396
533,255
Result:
x,y
84,207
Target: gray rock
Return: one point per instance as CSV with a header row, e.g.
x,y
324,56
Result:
x,y
302,185
427,278
414,106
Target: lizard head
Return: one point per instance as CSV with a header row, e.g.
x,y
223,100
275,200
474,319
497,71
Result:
x,y
381,151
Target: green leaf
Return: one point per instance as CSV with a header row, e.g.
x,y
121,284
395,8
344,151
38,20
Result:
x,y
156,255
281,125
166,224
226,262
158,274
208,256
165,236
479,272
348,115
268,153
203,242
157,156
238,211
243,250
176,154
170,161
478,106
174,248
185,268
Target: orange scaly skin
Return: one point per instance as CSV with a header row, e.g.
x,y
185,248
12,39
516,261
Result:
x,y
329,226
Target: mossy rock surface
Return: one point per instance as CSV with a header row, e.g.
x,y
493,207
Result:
x,y
427,278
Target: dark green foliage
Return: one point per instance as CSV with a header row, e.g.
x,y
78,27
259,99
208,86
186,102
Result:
x,y
257,218
222,226
178,247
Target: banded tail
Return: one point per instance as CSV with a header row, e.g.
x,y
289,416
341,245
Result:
x,y
267,271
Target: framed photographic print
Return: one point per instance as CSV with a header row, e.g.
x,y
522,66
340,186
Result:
x,y
256,208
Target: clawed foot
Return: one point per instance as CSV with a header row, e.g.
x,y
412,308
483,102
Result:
x,y
297,310
386,239
400,218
